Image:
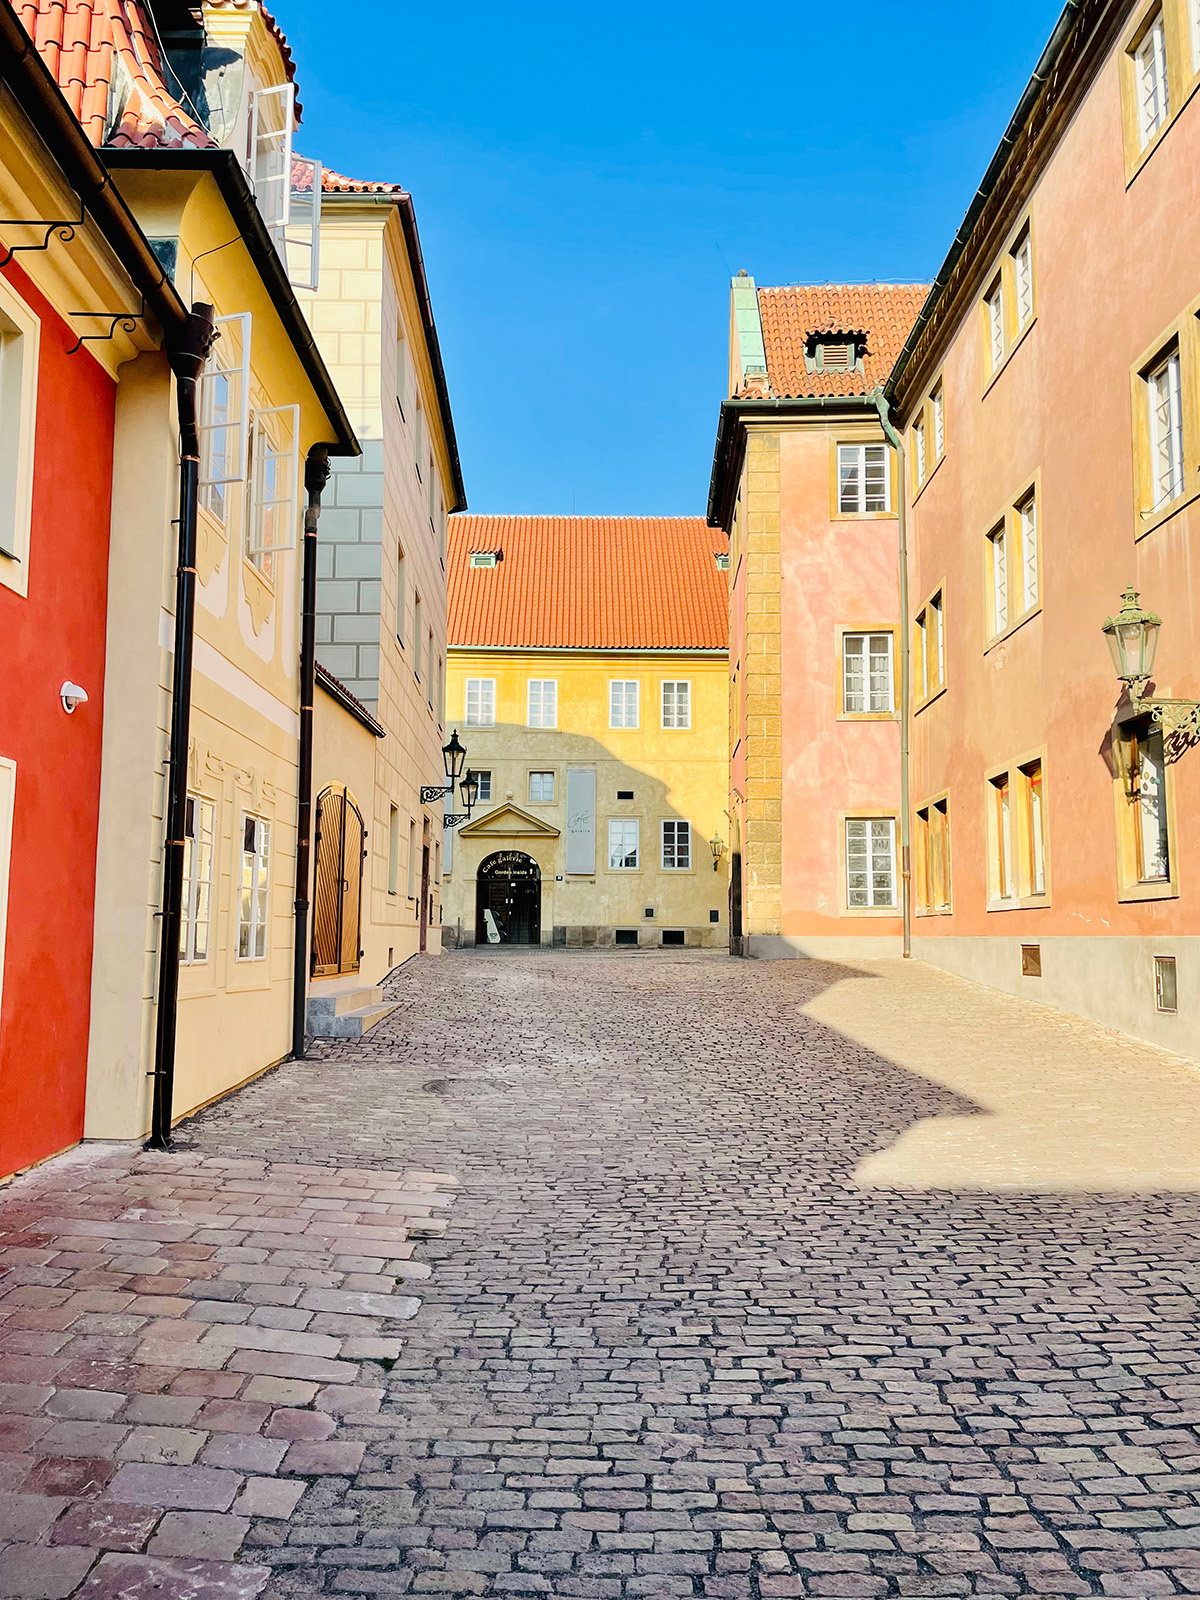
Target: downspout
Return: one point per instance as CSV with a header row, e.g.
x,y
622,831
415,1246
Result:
x,y
316,475
897,445
187,356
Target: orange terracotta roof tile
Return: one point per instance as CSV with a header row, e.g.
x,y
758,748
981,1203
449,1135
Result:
x,y
885,312
589,583
335,183
84,43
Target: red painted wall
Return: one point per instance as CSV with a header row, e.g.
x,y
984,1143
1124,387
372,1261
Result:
x,y
58,632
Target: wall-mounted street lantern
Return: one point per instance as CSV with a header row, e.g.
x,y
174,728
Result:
x,y
1133,640
717,845
453,756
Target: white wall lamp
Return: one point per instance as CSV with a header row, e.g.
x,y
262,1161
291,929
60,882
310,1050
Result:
x,y
71,696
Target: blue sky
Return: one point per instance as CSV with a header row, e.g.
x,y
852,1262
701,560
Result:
x,y
587,178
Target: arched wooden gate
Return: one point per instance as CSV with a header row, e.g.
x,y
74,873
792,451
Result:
x,y
341,849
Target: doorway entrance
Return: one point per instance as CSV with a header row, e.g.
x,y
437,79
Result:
x,y
508,899
341,846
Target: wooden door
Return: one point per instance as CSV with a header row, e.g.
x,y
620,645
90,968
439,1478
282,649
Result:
x,y
424,896
337,887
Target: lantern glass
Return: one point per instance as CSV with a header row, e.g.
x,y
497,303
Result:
x,y
453,756
469,789
1133,639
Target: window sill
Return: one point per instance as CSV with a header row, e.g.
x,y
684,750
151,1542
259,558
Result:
x,y
1148,891
870,911
868,716
1013,627
863,516
928,478
934,911
1155,519
1009,354
929,699
1029,902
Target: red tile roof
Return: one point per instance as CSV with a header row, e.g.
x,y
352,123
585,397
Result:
x,y
589,583
885,312
334,182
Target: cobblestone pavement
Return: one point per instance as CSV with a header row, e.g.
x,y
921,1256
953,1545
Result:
x,y
670,1345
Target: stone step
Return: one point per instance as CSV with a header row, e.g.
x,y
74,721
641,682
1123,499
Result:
x,y
348,1024
338,998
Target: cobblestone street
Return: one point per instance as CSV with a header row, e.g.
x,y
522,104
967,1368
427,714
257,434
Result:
x,y
732,1301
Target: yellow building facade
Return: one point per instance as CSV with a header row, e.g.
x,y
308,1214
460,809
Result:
x,y
601,763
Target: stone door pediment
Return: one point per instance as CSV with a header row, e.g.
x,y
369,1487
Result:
x,y
508,822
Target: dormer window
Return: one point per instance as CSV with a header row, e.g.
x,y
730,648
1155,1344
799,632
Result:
x,y
722,558
486,558
835,351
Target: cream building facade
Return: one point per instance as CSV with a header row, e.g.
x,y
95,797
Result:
x,y
588,680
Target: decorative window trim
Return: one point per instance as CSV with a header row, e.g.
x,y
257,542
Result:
x,y
20,347
197,881
1181,339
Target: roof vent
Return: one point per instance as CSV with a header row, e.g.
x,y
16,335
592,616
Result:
x,y
840,351
722,559
486,558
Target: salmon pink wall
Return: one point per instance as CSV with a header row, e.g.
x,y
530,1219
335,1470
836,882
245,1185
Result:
x,y
58,632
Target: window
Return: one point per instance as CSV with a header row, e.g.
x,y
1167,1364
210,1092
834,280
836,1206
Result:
x,y
393,849
623,844
441,693
625,936
481,703
429,690
418,636
485,558
1166,431
929,655
994,307
997,559
933,857
275,475
543,703
918,447
624,794
400,595
272,119
1148,806
870,862
541,788
1022,256
1150,80
412,860
867,673
676,846
1166,988
224,413
623,703
20,336
722,560
253,904
401,372
198,822
433,493
937,415
864,481
1026,519
677,704
1033,828
485,785
1000,831
674,936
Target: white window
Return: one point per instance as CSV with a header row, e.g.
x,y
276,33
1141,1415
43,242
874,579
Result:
x,y
485,558
937,411
997,543
393,849
481,703
543,703
1166,431
676,846
253,890
623,703
677,704
1002,837
1023,280
930,664
301,237
864,482
275,475
1194,8
441,693
1152,846
870,862
418,437
1027,517
1150,72
623,844
485,785
20,337
867,673
995,322
412,860
401,372
272,120
400,595
541,788
224,413
433,490
919,450
198,821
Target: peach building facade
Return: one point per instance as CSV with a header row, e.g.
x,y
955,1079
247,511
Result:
x,y
1050,403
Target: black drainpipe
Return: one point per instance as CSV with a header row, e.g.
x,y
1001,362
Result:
x,y
187,357
316,475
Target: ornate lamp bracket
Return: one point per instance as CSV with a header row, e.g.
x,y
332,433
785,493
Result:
x,y
1178,717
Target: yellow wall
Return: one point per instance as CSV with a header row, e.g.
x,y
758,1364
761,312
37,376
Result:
x,y
674,774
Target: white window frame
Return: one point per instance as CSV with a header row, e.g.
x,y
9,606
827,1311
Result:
x,y
1027,521
254,930
937,410
20,345
854,462
869,831
623,829
674,723
619,691
484,713
1023,280
401,595
677,856
542,799
861,642
271,168
273,510
994,305
236,427
999,598
393,856
1165,408
1001,839
199,848
541,709
412,858
1151,86
485,784
919,462
301,235
1152,857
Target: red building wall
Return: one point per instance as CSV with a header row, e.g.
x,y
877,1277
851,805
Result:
x,y
58,632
